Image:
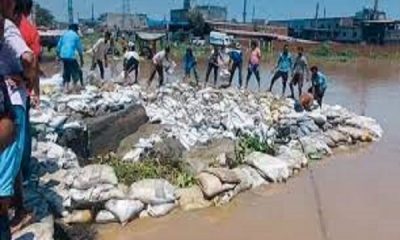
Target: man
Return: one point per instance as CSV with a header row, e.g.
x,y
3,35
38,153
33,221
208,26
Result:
x,y
69,44
319,85
190,64
31,36
17,63
100,51
213,65
131,62
236,62
158,67
282,69
254,64
6,120
300,71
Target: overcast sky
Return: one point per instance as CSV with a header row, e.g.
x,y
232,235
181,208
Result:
x,y
269,9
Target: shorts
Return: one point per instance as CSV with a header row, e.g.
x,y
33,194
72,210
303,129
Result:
x,y
131,64
298,78
253,68
319,92
11,157
5,103
71,70
283,75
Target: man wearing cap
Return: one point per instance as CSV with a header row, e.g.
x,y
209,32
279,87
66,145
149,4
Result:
x,y
236,61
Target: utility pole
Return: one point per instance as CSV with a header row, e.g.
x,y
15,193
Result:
x,y
316,21
376,9
126,11
92,12
254,13
244,11
70,12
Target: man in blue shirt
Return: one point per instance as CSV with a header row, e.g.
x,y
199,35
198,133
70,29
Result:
x,y
284,66
236,59
319,85
69,44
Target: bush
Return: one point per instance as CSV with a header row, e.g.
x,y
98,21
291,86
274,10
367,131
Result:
x,y
173,171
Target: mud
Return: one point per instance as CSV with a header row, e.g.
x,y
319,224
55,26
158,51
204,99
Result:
x,y
352,196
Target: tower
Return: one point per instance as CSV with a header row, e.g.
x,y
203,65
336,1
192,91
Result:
x,y
92,12
376,9
244,11
126,10
70,12
186,4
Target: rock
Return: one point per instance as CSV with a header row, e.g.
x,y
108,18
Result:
x,y
96,194
224,175
337,137
211,185
318,118
271,168
124,210
104,217
293,157
192,199
160,210
169,149
78,216
133,155
153,191
93,175
43,230
365,123
356,134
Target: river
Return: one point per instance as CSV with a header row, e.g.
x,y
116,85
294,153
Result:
x,y
353,195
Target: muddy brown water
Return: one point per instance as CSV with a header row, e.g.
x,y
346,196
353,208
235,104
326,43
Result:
x,y
353,195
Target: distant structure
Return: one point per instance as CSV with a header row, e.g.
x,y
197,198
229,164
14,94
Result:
x,y
180,17
370,25
70,12
126,10
244,11
124,22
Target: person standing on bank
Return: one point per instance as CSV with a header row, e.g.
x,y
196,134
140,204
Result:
x,y
282,70
190,63
319,85
213,65
300,72
236,62
100,51
69,44
254,64
131,62
158,65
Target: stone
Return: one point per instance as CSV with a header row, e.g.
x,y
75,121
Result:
x,y
253,176
211,185
124,210
169,149
153,191
293,157
314,148
192,199
337,137
356,134
271,168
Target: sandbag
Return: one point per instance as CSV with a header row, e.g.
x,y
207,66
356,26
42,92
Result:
x,y
104,217
94,175
192,198
224,174
153,191
271,168
160,210
124,210
211,185
98,193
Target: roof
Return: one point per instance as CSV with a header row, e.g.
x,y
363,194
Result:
x,y
272,36
382,21
150,36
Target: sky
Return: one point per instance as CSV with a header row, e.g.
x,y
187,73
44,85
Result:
x,y
267,9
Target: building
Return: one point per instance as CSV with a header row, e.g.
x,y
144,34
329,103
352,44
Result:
x,y
128,22
367,25
180,17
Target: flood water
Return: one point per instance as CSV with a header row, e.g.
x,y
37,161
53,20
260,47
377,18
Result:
x,y
353,195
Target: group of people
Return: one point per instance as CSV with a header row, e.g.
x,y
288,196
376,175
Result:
x,y
20,51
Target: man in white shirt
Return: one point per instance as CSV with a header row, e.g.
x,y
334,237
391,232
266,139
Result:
x,y
300,72
158,67
131,62
99,51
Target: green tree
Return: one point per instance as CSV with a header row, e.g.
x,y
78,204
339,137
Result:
x,y
44,17
198,24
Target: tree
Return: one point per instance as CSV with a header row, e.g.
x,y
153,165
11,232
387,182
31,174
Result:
x,y
198,24
44,17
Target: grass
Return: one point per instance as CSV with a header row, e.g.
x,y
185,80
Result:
x,y
127,173
248,144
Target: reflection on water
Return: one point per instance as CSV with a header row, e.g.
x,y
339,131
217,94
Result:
x,y
359,197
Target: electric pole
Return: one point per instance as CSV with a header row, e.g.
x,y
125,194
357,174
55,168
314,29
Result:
x,y
126,11
244,11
